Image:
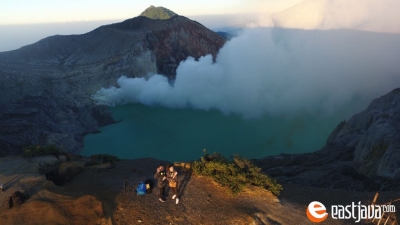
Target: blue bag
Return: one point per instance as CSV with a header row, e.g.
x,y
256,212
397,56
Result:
x,y
141,189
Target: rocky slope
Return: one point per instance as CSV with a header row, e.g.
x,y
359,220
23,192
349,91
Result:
x,y
362,153
44,205
374,134
96,196
46,87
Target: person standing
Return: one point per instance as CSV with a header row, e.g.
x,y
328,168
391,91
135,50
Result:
x,y
162,180
172,177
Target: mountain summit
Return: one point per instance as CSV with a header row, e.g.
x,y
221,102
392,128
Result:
x,y
46,87
158,13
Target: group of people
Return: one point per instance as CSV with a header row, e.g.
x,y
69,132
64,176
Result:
x,y
167,176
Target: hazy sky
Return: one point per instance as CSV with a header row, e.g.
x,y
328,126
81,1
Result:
x,y
368,15
24,22
50,11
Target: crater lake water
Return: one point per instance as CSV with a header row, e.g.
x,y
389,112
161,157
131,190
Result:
x,y
182,134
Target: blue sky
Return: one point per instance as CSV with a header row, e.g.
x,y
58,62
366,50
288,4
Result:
x,y
53,11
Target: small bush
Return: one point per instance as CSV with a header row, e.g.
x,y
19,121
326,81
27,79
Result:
x,y
234,174
32,151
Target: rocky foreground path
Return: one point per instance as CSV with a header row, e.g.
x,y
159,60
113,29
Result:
x,y
97,196
45,204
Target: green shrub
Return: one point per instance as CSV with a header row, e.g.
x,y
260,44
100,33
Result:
x,y
234,174
32,151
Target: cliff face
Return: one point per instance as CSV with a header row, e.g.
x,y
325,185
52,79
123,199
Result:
x,y
375,136
172,40
46,87
361,154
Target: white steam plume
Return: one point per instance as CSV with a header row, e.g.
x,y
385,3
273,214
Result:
x,y
275,72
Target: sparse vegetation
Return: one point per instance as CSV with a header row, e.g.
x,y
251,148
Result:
x,y
37,150
158,13
234,174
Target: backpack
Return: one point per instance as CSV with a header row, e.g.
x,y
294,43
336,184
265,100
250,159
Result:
x,y
17,198
141,189
149,185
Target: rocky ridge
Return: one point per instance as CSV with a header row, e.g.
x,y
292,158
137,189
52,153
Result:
x,y
362,153
46,87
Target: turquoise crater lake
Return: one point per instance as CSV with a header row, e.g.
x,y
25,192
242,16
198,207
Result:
x,y
182,134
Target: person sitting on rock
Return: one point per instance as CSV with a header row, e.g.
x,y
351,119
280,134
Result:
x,y
161,177
172,177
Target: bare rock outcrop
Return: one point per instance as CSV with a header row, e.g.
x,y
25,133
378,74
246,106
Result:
x,y
362,153
375,136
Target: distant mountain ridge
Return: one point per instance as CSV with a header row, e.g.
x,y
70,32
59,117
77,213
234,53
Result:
x,y
226,35
158,13
46,87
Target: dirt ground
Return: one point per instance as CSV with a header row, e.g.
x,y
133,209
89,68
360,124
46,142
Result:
x,y
202,201
97,196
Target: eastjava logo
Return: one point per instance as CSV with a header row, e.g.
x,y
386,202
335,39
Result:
x,y
316,212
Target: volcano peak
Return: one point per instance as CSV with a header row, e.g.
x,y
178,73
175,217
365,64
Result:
x,y
158,13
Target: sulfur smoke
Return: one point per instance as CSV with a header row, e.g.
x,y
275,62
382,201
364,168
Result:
x,y
274,71
277,71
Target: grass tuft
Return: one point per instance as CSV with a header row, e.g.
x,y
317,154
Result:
x,y
235,174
